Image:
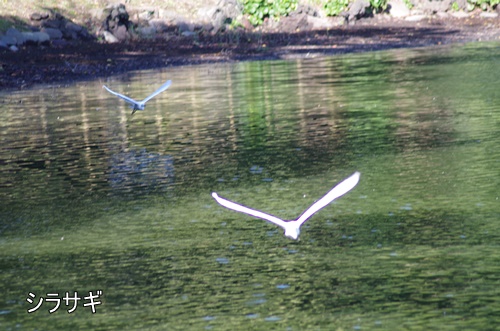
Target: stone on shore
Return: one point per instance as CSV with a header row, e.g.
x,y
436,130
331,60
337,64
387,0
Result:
x,y
398,8
53,33
357,10
35,37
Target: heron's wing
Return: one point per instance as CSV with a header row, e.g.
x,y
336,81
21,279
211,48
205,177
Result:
x,y
340,189
158,91
242,209
127,99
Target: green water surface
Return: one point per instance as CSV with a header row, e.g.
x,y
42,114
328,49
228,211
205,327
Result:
x,y
94,199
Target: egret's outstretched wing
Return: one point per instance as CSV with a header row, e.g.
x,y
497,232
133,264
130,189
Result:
x,y
242,209
158,91
127,99
340,189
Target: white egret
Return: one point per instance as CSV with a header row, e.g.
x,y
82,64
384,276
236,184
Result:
x,y
139,105
292,228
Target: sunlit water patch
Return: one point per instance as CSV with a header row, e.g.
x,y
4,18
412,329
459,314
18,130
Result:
x,y
94,199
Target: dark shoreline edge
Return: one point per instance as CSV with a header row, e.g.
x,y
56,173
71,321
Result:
x,y
88,60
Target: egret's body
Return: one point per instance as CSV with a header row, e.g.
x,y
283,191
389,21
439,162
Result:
x,y
139,105
292,228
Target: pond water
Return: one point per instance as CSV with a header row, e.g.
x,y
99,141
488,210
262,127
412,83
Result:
x,y
96,201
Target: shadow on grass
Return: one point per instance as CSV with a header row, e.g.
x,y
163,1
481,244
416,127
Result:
x,y
10,21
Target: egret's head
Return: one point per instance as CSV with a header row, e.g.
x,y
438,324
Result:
x,y
292,232
137,106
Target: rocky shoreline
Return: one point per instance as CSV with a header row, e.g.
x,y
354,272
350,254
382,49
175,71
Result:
x,y
58,50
